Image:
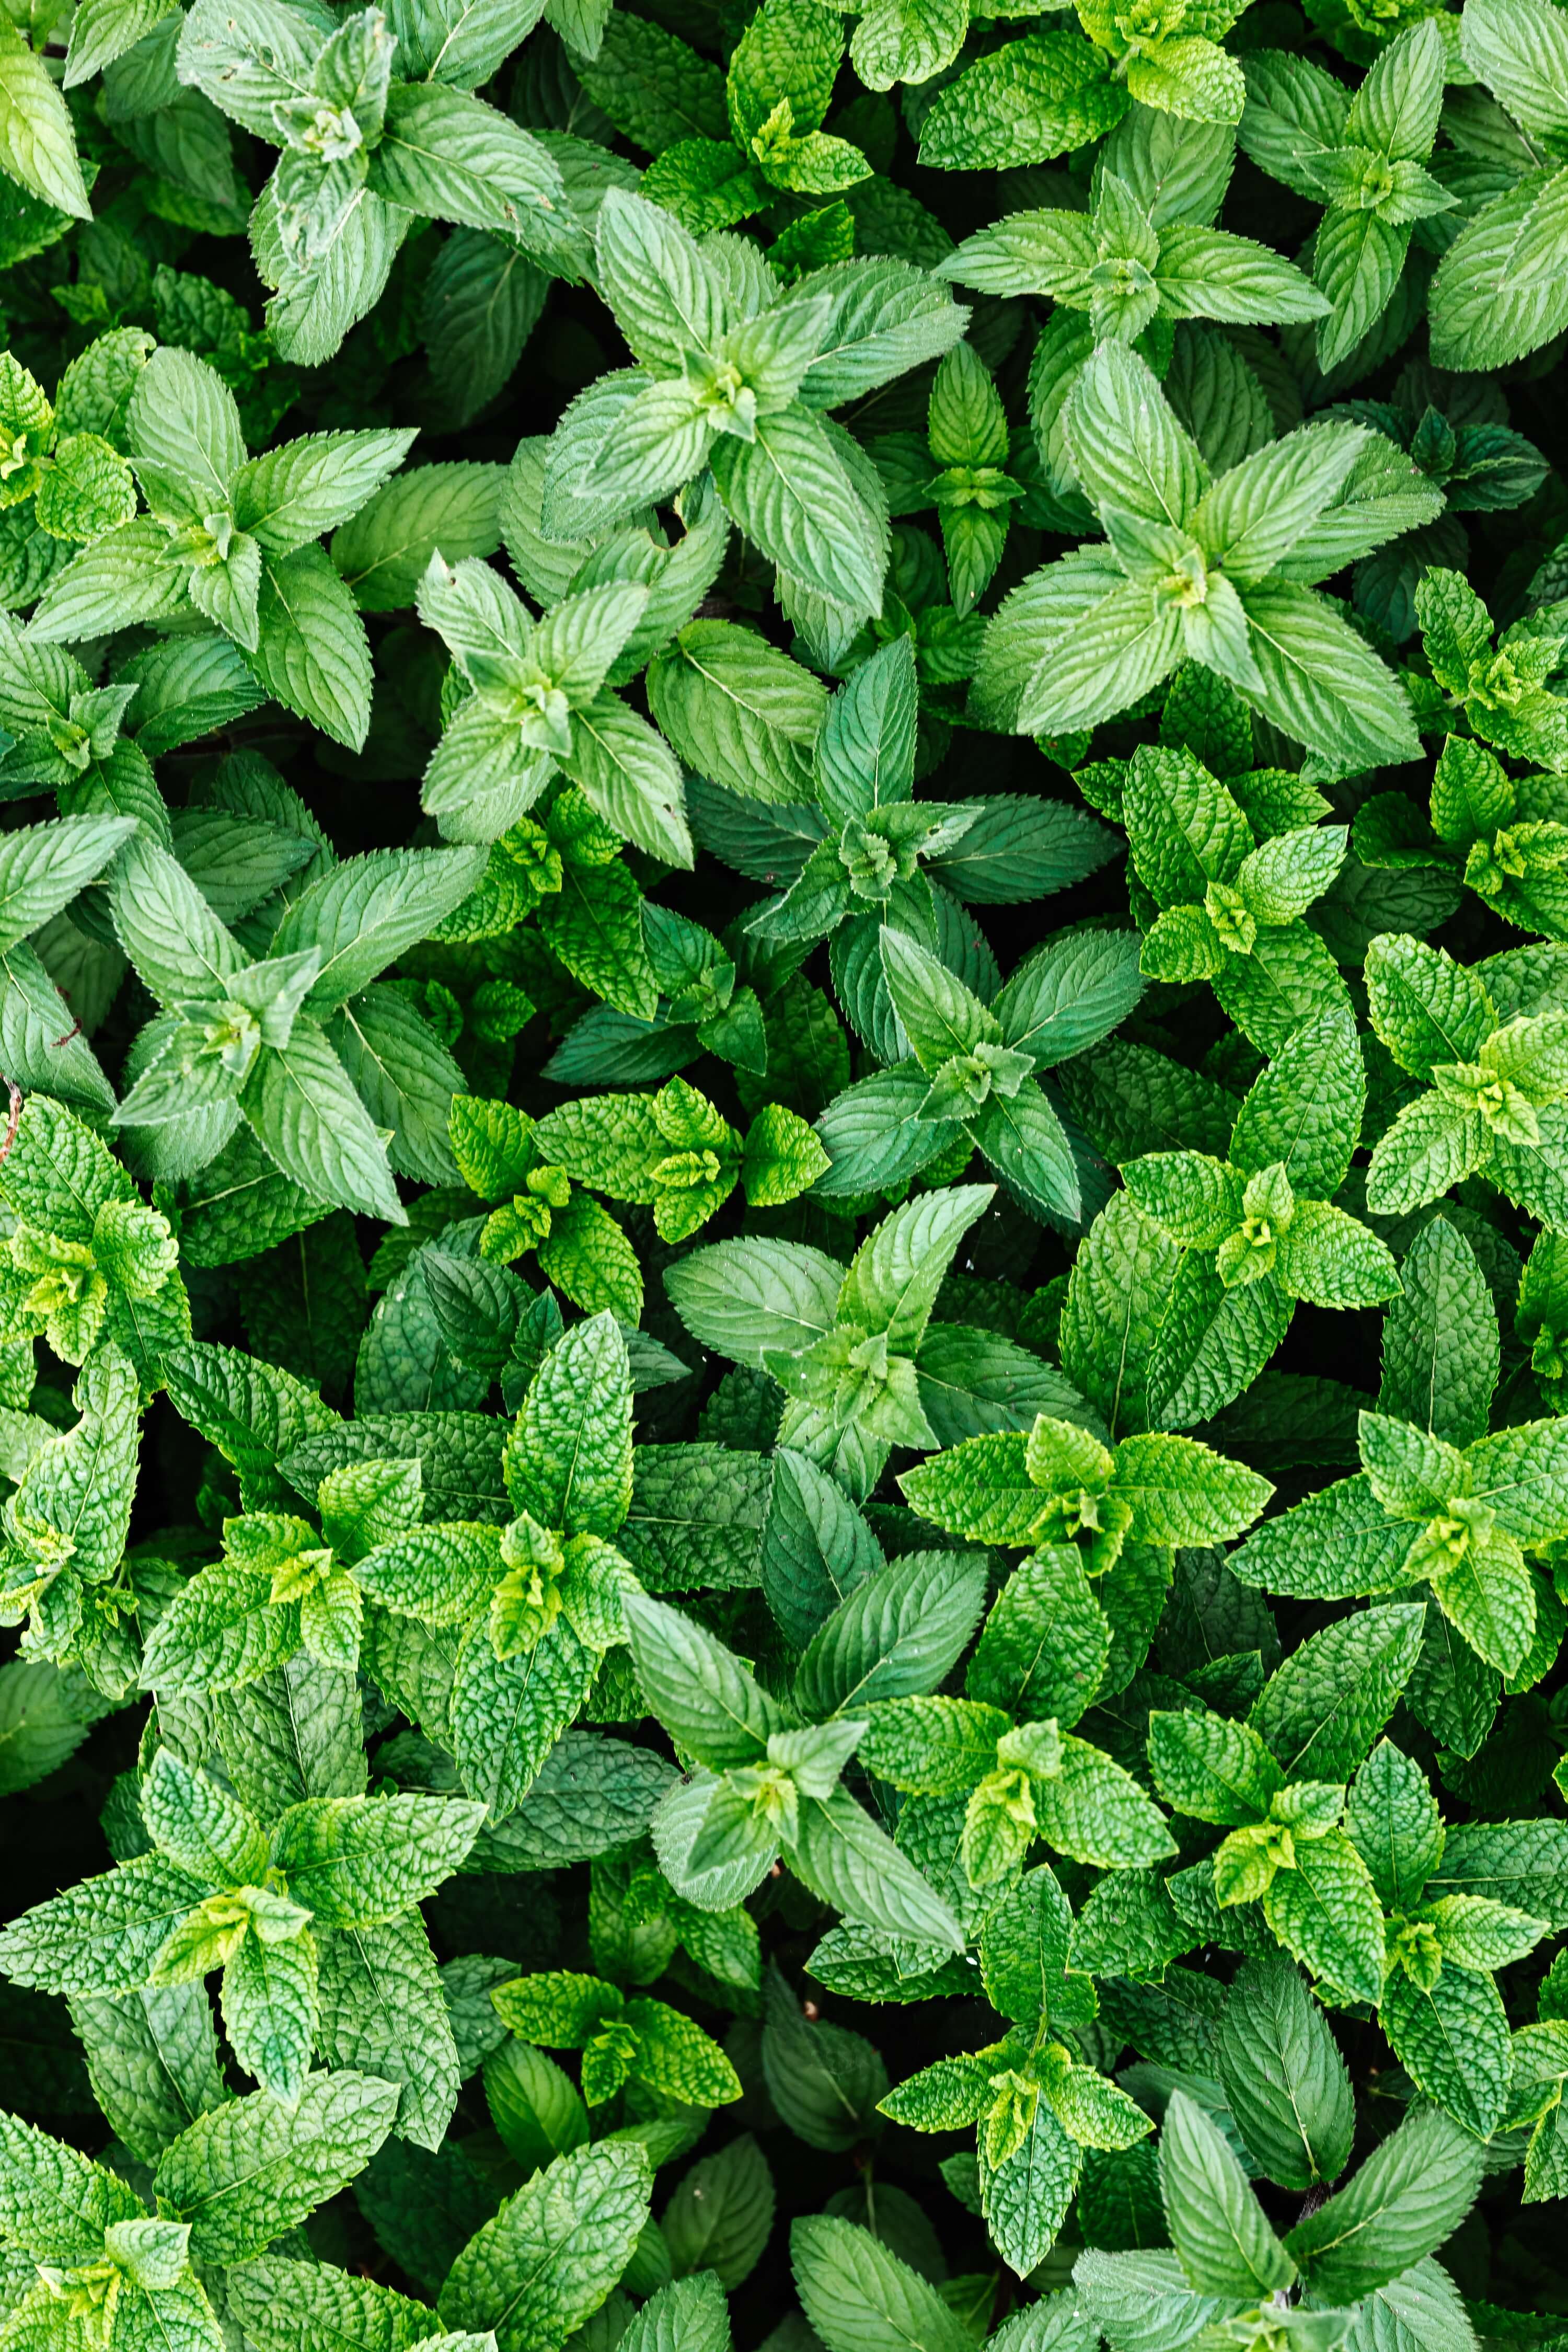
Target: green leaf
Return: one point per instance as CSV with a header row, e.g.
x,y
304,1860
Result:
x,y
384,2011
1116,1296
1395,1826
1025,2199
312,653
43,867
1037,96
102,1935
553,2251
358,1863
981,1489
1226,2245
1322,1710
653,87
1520,56
1439,1340
1024,1951
255,1414
1214,1341
743,1298
666,298
56,2201
894,1277
695,1685
1492,301
305,487
1452,2039
844,1858
46,1713
1322,684
37,147
285,2306
861,2297
1213,1769
454,158
791,493
631,779
719,2220
569,1456
1409,2195
1046,1640
900,1631
1304,1112
383,551
1181,1493
738,711
1325,1911
815,1546
1143,2300
507,1714
304,1111
74,1498
894,43
688,2311
254,2167
1284,2077
1098,1813
595,927
534,2106
824,2081
886,314
677,2058
697,1516
1337,1543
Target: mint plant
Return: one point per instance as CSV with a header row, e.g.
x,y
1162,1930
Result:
x,y
91,1261
1366,161
233,537
734,373
1285,1847
957,466
78,482
1440,2005
1230,908
1146,255
1481,311
1258,1230
784,1177
1487,1104
1051,92
776,93
1217,572
622,2040
581,1248
212,1890
539,702
1503,836
362,143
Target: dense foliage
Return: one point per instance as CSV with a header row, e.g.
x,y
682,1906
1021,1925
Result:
x,y
760,1595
